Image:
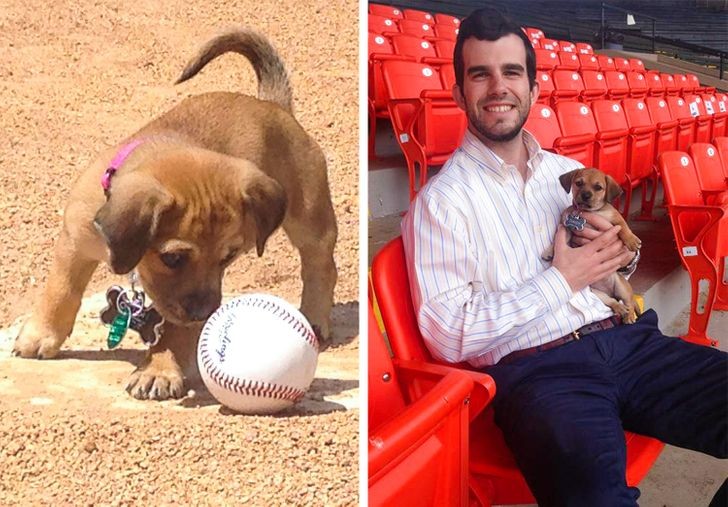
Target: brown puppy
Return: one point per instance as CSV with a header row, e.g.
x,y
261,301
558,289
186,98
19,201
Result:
x,y
211,179
593,191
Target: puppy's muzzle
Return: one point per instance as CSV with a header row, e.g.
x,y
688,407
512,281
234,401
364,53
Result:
x,y
199,305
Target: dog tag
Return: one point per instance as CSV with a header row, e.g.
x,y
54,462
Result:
x,y
574,222
123,313
119,326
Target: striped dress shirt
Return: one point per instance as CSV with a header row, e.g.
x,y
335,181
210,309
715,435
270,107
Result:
x,y
473,239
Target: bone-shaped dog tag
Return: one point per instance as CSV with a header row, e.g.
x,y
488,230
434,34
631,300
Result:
x,y
123,313
574,222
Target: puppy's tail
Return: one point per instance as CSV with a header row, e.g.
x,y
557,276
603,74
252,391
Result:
x,y
273,84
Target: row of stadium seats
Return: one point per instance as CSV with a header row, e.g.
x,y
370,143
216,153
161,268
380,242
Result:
x,y
696,192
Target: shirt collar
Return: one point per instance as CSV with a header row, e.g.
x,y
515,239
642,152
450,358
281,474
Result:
x,y
475,148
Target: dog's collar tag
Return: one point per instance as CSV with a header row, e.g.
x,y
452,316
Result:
x,y
124,312
574,222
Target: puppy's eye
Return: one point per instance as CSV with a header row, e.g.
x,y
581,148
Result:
x,y
598,188
579,183
173,260
229,257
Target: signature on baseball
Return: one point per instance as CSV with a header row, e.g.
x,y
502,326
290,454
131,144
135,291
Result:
x,y
225,340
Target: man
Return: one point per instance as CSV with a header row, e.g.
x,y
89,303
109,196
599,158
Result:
x,y
474,238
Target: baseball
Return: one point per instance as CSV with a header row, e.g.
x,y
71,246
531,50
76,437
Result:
x,y
257,354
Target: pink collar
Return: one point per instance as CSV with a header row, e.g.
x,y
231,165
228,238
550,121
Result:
x,y
116,162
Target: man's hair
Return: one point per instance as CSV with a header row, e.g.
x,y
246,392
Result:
x,y
489,24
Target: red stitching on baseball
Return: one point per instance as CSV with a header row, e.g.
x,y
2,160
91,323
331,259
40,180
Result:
x,y
253,387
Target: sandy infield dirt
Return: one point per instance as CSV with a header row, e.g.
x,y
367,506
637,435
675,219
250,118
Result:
x,y
77,77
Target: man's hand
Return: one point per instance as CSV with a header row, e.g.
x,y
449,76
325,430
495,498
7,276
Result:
x,y
587,234
592,262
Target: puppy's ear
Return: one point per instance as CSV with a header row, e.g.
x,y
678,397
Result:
x,y
613,189
265,201
129,219
566,179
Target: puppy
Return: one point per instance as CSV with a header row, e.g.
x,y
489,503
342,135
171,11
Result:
x,y
194,189
593,191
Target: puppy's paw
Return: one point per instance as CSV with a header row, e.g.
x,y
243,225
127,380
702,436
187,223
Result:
x,y
548,254
632,242
37,341
152,382
630,317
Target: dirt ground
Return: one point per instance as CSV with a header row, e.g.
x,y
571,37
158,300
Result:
x,y
77,77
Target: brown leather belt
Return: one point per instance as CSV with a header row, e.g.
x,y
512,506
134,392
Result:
x,y
574,335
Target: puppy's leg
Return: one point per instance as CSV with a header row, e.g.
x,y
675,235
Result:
x,y
314,236
618,308
623,291
52,320
161,375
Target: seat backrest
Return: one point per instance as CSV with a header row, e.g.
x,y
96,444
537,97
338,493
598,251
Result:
x,y
446,19
381,24
593,80
708,166
449,32
544,126
637,65
621,64
680,179
410,45
385,396
609,115
388,11
616,81
447,76
695,104
710,101
546,59
588,62
693,80
418,15
567,46
569,60
545,85
407,80
391,285
550,44
575,118
681,80
654,82
414,27
605,62
379,44
567,80
678,107
534,33
668,81
584,48
658,109
635,110
722,144
444,48
637,84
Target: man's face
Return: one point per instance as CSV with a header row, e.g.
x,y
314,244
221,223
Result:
x,y
495,94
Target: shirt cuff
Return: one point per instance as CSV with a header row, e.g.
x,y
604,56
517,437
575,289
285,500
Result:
x,y
553,287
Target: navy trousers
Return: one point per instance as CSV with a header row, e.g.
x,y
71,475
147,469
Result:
x,y
563,411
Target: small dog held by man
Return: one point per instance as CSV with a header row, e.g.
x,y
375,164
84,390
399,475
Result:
x,y
593,191
177,202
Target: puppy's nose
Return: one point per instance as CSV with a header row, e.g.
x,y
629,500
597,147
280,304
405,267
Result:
x,y
200,305
586,195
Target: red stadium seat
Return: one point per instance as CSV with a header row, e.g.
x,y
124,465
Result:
x,y
494,477
447,76
701,234
605,63
546,59
380,24
703,120
584,49
545,87
418,429
641,157
446,19
709,168
588,62
544,126
655,85
720,116
617,85
568,61
638,87
418,15
680,110
417,28
637,65
667,127
595,86
672,89
449,32
621,64
722,144
578,132
611,146
420,49
681,80
567,86
534,33
550,44
387,11
444,48
567,46
427,123
380,49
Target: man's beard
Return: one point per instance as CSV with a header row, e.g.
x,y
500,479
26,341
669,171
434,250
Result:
x,y
483,130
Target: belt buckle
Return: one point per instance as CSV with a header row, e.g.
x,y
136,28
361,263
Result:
x,y
576,334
